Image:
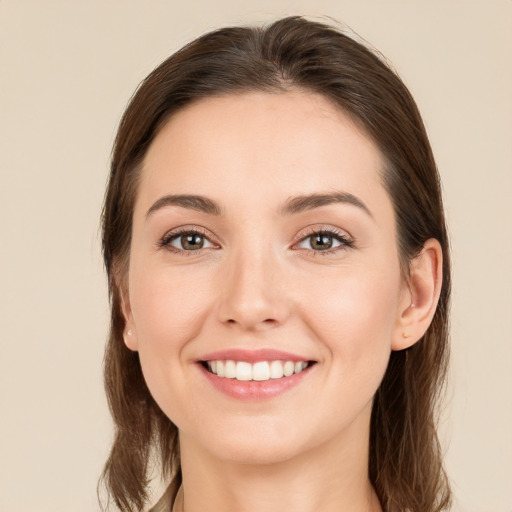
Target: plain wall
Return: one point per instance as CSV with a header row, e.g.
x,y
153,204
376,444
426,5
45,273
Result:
x,y
67,70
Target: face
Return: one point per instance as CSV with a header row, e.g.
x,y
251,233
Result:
x,y
263,249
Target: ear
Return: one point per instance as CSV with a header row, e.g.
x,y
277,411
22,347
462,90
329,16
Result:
x,y
129,333
420,296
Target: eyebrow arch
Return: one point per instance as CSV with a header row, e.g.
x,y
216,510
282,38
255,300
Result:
x,y
193,202
308,202
292,206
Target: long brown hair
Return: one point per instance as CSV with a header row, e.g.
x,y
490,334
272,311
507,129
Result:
x,y
405,463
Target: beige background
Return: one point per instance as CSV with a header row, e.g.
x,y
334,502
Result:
x,y
67,69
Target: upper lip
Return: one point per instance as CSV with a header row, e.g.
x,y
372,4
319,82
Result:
x,y
253,356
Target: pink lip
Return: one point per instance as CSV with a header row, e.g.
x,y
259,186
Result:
x,y
253,356
254,391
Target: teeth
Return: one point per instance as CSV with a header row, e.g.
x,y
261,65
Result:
x,y
288,368
260,371
230,370
276,369
243,371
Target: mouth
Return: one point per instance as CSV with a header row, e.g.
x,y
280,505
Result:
x,y
255,375
244,371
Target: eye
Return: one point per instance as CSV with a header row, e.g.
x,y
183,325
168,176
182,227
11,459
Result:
x,y
325,241
186,240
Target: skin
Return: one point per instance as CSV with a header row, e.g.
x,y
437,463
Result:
x,y
258,282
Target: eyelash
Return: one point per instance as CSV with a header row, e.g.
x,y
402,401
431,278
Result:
x,y
345,241
169,237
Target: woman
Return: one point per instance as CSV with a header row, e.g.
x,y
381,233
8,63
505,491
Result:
x,y
278,264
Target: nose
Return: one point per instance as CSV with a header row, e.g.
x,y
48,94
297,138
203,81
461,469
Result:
x,y
253,292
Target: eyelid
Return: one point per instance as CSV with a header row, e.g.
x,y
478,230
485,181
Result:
x,y
323,228
164,241
347,241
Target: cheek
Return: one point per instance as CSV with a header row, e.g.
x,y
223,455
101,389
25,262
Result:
x,y
167,306
354,317
354,304
169,309
353,320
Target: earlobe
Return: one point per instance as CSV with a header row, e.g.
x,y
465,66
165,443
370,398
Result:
x,y
419,304
130,340
129,332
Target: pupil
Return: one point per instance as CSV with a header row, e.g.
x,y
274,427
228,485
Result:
x,y
322,242
192,241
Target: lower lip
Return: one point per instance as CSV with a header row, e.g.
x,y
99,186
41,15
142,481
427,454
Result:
x,y
253,390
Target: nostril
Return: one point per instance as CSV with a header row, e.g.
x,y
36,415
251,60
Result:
x,y
267,322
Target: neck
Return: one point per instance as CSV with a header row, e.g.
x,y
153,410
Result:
x,y
330,477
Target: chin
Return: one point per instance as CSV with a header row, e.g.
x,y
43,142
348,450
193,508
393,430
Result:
x,y
257,454
263,444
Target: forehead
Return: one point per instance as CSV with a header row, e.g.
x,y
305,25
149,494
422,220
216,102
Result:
x,y
261,144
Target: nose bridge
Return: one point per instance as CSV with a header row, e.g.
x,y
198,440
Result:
x,y
253,292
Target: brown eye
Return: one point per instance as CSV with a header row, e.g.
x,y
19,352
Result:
x,y
324,241
320,242
188,241
192,242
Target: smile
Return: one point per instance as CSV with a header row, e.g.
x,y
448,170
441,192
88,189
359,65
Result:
x,y
259,371
255,375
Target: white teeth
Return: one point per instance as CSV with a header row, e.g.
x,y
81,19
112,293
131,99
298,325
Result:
x,y
288,368
276,370
260,371
230,370
243,371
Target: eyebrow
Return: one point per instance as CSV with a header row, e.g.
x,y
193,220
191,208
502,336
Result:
x,y
192,202
309,202
292,206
